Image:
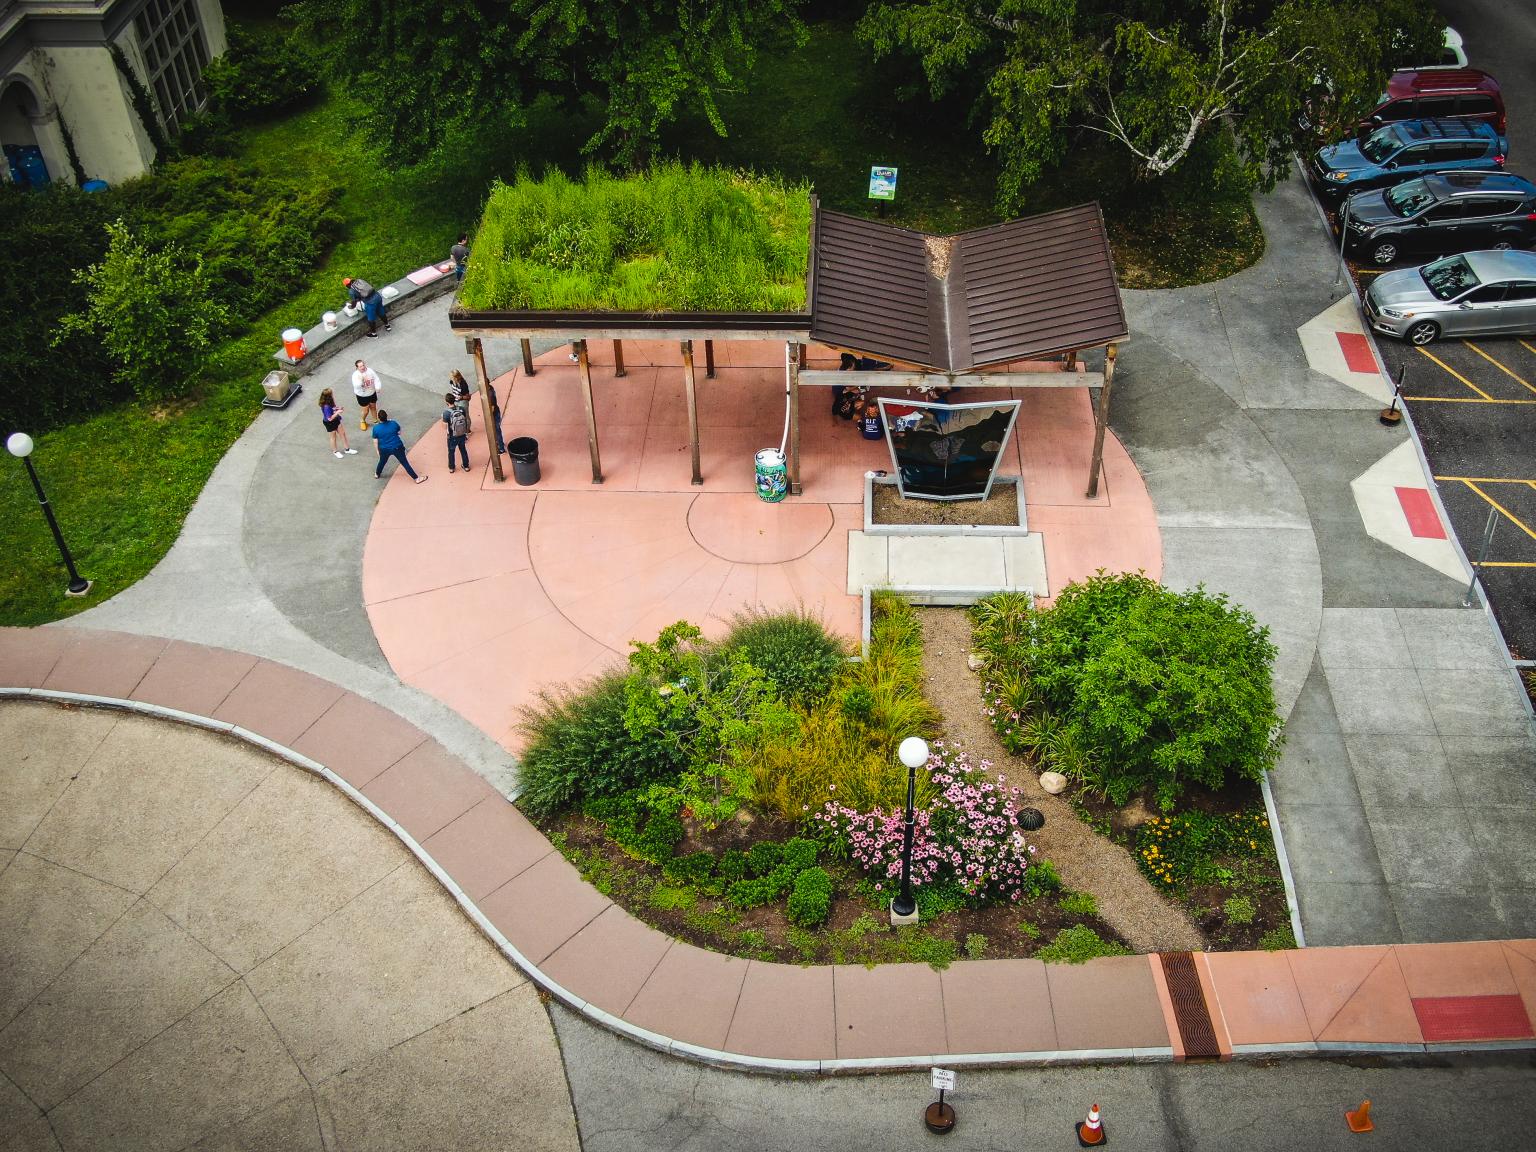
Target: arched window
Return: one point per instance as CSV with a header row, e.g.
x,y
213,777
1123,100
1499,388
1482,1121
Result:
x,y
174,50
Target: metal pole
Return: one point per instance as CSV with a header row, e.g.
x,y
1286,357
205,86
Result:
x,y
904,904
1482,554
78,585
1343,236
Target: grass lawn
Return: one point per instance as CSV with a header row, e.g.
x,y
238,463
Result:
x,y
122,482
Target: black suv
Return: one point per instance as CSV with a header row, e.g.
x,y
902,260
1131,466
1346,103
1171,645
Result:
x,y
1442,213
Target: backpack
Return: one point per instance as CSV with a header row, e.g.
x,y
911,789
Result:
x,y
458,422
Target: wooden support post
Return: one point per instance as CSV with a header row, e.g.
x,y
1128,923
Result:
x,y
709,359
792,364
1069,361
584,366
800,355
483,378
528,369
618,359
693,410
1101,423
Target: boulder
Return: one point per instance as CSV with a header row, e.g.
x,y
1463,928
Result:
x,y
1053,782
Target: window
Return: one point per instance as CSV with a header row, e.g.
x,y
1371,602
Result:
x,y
1444,212
173,45
1450,150
1402,110
1432,107
1476,106
1491,206
1524,290
1491,294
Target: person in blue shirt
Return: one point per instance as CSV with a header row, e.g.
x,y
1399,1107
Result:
x,y
387,433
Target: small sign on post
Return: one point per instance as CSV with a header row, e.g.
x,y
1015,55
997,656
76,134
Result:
x,y
882,183
939,1116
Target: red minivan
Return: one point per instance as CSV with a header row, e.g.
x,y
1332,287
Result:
x,y
1437,94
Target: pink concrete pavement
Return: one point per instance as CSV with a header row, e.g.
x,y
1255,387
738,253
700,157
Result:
x,y
598,959
483,594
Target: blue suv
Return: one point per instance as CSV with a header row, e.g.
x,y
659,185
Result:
x,y
1397,152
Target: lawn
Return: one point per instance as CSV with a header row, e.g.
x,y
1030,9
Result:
x,y
123,481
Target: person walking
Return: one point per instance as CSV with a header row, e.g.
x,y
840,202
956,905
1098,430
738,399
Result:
x,y
387,433
460,254
461,391
359,291
457,422
330,416
365,388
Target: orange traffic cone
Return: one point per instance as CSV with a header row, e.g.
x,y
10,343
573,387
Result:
x,y
1090,1133
1360,1118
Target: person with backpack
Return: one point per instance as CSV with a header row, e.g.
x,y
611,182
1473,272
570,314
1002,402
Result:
x,y
359,291
387,434
457,421
461,394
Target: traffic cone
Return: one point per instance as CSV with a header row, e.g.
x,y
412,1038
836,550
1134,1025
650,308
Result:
x,y
1360,1118
1090,1133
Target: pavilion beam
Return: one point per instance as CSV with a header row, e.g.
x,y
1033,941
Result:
x,y
693,410
1101,423
528,368
618,359
487,416
793,351
709,359
584,366
1053,378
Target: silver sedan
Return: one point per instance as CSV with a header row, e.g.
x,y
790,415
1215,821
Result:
x,y
1473,294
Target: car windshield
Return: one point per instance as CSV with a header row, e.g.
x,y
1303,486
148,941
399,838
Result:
x,y
1406,199
1450,277
1380,144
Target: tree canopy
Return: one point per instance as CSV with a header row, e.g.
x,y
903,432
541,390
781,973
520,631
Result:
x,y
1152,76
424,67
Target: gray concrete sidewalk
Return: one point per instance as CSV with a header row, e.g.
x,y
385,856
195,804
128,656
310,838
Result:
x,y
1409,772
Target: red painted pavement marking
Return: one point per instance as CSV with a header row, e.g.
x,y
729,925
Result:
x,y
1420,510
1444,1018
1357,352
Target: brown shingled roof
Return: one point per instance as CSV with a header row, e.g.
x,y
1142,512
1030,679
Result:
x,y
1016,291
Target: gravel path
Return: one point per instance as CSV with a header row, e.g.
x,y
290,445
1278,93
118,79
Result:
x,y
1086,861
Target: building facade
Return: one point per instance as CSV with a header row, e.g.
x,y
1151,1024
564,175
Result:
x,y
74,75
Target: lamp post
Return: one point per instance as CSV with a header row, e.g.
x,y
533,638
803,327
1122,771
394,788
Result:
x,y
20,445
914,754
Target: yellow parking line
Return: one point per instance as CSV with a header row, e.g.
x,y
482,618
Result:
x,y
1507,564
1435,359
1489,479
1510,516
1465,400
1499,366
1527,347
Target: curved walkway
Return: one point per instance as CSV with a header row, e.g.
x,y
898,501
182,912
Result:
x,y
594,957
201,942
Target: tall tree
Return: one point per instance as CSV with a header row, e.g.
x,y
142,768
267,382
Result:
x,y
424,67
1153,76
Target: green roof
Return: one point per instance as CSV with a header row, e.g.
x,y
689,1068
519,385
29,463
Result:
x,y
674,239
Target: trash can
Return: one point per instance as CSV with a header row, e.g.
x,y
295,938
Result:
x,y
293,344
524,451
772,480
278,386
328,321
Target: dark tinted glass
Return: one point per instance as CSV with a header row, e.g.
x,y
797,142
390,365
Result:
x,y
1443,212
1522,291
1477,106
1490,294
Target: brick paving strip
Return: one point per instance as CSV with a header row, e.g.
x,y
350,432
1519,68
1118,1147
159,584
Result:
x,y
594,957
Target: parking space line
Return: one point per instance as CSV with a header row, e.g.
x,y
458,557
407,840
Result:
x,y
1526,346
1499,366
1489,480
1464,400
1508,564
1436,360
1510,516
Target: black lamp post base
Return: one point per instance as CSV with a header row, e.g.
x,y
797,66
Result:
x,y
899,918
78,589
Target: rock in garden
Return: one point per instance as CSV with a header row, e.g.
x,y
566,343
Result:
x,y
974,662
1053,782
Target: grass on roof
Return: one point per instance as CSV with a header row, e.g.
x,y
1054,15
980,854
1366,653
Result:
x,y
677,238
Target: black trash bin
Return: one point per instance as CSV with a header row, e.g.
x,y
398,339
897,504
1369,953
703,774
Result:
x,y
524,451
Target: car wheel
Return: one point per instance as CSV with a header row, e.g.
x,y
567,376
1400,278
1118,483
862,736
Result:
x,y
1424,332
1502,245
1384,253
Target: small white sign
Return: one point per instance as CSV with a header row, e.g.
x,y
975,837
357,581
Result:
x,y
944,1079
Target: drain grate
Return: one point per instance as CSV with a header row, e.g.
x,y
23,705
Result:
x,y
1189,1007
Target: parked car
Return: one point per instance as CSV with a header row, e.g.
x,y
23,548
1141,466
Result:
x,y
1436,94
1398,152
1442,213
1471,294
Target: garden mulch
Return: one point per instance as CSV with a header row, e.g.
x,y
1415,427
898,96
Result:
x,y
1086,861
1000,508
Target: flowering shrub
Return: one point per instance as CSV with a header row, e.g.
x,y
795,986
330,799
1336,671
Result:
x,y
966,835
1175,851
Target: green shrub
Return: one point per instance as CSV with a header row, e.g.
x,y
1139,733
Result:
x,y
760,890
764,856
1041,880
1154,689
793,649
1239,909
578,746
811,900
1278,939
1077,945
668,899
644,822
919,947
262,75
693,870
732,866
800,853
936,899
975,946
1030,930
1079,904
